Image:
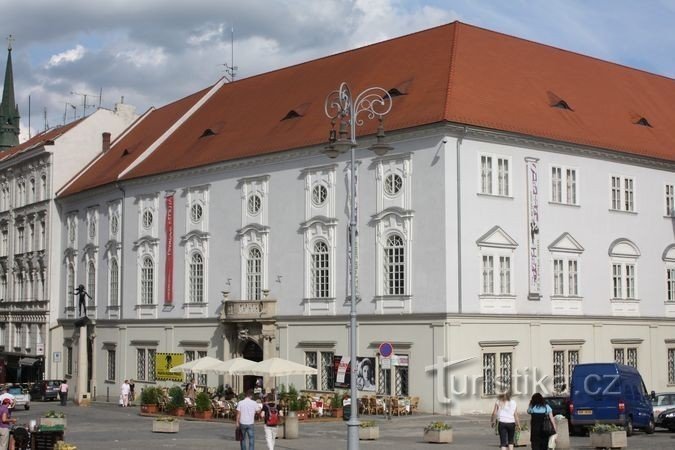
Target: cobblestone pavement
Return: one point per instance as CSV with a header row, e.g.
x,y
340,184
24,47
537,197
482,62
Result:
x,y
107,426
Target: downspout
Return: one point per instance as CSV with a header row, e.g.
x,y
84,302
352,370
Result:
x,y
121,266
460,138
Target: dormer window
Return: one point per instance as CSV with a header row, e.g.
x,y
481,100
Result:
x,y
562,104
393,92
642,121
555,101
292,114
208,132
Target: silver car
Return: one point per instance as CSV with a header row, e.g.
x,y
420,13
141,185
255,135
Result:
x,y
21,397
662,401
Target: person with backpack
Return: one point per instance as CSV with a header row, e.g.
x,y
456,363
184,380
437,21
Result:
x,y
271,416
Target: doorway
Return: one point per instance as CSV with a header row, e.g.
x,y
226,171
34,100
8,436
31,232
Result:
x,y
252,351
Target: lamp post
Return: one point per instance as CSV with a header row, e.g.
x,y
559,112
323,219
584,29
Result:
x,y
341,108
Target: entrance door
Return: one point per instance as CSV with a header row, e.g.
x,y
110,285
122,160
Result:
x,y
253,352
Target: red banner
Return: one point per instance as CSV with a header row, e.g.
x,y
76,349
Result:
x,y
168,268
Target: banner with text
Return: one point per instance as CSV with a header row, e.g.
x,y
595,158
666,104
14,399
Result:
x,y
168,268
164,362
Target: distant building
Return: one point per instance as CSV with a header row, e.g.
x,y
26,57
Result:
x,y
523,223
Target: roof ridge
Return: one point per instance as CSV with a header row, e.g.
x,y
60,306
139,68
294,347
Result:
x,y
451,68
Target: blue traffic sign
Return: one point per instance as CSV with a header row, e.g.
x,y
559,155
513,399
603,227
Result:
x,y
386,349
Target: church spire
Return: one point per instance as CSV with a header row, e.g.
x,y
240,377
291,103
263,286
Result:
x,y
9,110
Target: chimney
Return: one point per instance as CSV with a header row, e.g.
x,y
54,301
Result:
x,y
105,141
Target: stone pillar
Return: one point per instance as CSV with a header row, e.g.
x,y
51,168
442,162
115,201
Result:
x,y
82,395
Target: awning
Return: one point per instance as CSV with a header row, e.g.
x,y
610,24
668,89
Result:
x,y
27,361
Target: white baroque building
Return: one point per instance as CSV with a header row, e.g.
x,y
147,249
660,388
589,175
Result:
x,y
522,224
30,233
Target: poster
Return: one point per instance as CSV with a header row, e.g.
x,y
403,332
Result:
x,y
164,362
365,373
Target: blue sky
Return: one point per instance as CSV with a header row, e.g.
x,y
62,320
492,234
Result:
x,y
152,52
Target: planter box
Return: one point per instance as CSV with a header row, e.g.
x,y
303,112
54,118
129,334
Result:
x,y
52,421
369,433
162,426
179,412
338,412
301,415
438,436
523,438
149,409
203,414
614,439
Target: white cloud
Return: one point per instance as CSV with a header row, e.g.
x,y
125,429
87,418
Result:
x,y
143,57
68,56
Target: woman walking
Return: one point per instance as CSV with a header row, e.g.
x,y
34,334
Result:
x,y
542,422
507,420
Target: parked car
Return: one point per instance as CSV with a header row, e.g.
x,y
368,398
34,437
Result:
x,y
667,419
610,393
560,404
21,397
46,390
661,402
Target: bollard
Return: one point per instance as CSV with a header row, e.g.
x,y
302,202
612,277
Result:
x,y
107,394
562,426
291,426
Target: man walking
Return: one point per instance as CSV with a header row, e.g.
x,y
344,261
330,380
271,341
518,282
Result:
x,y
125,390
63,393
246,411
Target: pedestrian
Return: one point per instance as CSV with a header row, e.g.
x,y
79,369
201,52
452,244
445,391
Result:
x,y
124,391
6,422
540,413
132,393
506,415
63,393
271,416
246,411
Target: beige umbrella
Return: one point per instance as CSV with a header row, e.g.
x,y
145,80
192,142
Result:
x,y
276,367
207,364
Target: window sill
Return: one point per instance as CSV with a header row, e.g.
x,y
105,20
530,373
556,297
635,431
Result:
x,y
485,194
567,297
393,304
621,211
624,300
572,205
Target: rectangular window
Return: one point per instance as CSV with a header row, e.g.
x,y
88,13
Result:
x,y
310,380
616,280
202,377
571,187
628,356
630,281
623,193
111,365
564,185
151,364
558,277
488,274
394,379
671,366
505,274
69,360
669,200
670,284
573,277
145,364
564,362
556,184
140,364
495,182
497,372
323,362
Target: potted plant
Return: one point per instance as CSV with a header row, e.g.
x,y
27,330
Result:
x,y
203,406
176,401
608,436
369,430
438,432
165,424
300,407
338,411
53,418
150,399
522,434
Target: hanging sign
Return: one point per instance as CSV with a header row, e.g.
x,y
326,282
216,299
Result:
x,y
168,268
533,229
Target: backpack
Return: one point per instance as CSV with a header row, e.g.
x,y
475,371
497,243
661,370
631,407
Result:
x,y
272,416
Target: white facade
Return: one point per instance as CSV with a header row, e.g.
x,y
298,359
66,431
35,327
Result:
x,y
451,264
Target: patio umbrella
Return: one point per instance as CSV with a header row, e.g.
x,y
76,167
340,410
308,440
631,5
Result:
x,y
276,367
207,364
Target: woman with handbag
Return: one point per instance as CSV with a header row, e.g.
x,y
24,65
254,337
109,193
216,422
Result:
x,y
542,425
507,420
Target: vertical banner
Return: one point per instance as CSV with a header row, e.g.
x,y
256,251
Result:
x,y
168,268
353,247
533,228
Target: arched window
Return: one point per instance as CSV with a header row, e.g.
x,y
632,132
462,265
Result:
x,y
31,194
114,282
91,281
320,270
147,281
196,278
394,266
70,286
43,186
254,273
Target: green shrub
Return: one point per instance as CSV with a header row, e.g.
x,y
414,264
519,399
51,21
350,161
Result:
x,y
438,426
51,414
176,398
605,428
151,395
202,402
368,424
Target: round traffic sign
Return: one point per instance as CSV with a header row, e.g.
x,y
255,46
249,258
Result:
x,y
386,349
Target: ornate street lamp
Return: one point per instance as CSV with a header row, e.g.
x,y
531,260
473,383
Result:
x,y
343,110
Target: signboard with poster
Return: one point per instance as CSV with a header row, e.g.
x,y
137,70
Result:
x,y
365,372
164,362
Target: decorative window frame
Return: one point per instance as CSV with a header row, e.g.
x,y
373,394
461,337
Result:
x,y
566,346
399,221
113,252
251,186
669,200
567,249
147,246
90,258
196,242
624,252
626,345
670,362
197,195
622,194
148,202
494,175
70,261
668,257
115,211
401,165
71,229
253,235
497,243
323,229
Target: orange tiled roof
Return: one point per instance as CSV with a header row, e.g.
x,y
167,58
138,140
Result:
x,y
129,146
457,73
39,140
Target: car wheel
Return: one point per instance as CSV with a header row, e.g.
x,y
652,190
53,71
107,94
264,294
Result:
x,y
629,426
651,426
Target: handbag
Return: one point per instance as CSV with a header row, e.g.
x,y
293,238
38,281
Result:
x,y
547,427
238,435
